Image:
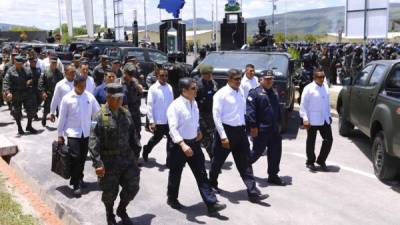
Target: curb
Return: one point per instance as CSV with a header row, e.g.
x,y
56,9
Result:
x,y
63,212
44,213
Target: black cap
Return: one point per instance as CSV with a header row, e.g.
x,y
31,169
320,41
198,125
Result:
x,y
104,57
77,56
84,60
116,61
130,57
19,59
267,74
131,69
53,58
115,90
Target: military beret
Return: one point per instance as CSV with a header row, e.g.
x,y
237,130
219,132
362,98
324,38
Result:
x,y
19,59
267,73
115,90
206,69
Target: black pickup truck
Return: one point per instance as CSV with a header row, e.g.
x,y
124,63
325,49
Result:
x,y
371,102
281,63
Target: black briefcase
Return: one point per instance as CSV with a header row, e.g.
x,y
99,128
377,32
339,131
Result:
x,y
61,160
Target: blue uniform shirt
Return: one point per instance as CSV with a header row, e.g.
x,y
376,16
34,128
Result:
x,y
100,93
262,109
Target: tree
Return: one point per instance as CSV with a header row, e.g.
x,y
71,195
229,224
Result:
x,y
310,38
279,37
23,29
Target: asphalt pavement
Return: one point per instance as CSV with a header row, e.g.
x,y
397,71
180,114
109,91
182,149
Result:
x,y
350,194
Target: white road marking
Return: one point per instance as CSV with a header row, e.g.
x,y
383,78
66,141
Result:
x,y
349,169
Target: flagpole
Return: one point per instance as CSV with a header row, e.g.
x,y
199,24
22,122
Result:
x,y
59,16
194,29
217,24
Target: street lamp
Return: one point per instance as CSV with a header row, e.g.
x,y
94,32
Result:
x,y
273,13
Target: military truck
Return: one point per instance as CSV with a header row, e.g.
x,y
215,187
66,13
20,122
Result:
x,y
371,102
281,63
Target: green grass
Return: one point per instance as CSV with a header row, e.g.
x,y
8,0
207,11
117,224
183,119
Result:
x,y
10,211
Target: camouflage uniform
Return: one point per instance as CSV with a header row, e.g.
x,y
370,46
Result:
x,y
112,144
47,83
20,85
206,91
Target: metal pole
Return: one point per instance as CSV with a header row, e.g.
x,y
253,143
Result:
x,y
213,23
194,29
285,21
105,13
365,32
145,20
273,16
217,24
59,16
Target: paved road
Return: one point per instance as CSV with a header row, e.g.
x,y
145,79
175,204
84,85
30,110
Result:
x,y
349,195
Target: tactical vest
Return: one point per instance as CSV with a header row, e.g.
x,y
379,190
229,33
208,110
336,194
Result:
x,y
110,135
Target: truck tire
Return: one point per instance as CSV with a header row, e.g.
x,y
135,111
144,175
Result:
x,y
285,121
383,163
345,127
291,107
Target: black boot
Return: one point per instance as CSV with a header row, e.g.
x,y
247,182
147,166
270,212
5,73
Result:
x,y
20,130
110,214
30,128
121,212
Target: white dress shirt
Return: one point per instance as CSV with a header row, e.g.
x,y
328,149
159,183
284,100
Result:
x,y
90,85
183,119
159,98
229,107
76,112
314,106
63,87
248,84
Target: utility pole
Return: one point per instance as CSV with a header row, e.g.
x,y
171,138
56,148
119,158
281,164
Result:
x,y
145,21
59,16
217,24
105,13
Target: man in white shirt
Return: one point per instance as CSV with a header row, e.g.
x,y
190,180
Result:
x,y
316,115
76,111
62,88
159,97
183,118
84,71
229,108
249,81
46,62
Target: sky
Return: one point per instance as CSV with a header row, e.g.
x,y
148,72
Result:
x,y
44,13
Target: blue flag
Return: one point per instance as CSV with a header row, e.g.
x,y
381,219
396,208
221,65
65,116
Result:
x,y
172,6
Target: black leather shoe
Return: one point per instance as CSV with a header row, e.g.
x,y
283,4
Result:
x,y
124,216
311,166
77,191
213,209
257,198
174,203
31,130
323,167
276,180
21,131
44,122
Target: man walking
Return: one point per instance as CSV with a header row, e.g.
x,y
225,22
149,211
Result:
x,y
159,97
228,113
316,115
263,118
183,121
76,110
207,88
112,144
249,80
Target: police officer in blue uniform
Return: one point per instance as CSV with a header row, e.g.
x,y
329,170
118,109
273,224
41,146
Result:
x,y
263,118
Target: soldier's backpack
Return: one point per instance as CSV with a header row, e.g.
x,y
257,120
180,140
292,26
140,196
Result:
x,y
61,160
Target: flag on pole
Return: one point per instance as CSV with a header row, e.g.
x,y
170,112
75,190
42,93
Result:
x,y
172,6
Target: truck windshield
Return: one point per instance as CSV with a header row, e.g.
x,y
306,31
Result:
x,y
276,62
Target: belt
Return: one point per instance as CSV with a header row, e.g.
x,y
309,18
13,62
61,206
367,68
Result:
x,y
234,127
190,141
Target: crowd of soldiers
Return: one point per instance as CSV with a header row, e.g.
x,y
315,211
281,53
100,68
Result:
x,y
191,113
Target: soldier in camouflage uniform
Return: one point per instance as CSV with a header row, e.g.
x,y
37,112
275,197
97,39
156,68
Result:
x,y
36,72
132,96
112,144
47,83
18,88
206,90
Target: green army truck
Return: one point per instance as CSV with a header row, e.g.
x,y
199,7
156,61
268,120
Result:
x,y
371,102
